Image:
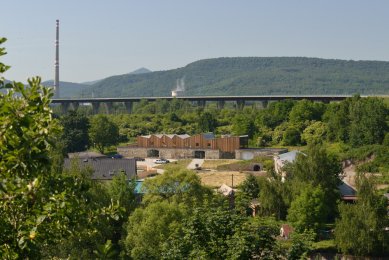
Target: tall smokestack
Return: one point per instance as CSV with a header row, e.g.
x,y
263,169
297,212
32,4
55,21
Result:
x,y
56,63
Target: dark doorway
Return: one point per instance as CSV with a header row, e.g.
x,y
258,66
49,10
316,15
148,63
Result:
x,y
256,168
199,154
153,153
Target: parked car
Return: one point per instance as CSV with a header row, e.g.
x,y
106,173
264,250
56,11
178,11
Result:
x,y
161,161
139,159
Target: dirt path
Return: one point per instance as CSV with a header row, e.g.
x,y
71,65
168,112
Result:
x,y
192,164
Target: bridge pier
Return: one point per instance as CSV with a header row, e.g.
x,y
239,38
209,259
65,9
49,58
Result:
x,y
95,107
240,104
109,107
220,104
75,105
128,106
65,107
201,103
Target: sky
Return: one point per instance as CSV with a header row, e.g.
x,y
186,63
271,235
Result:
x,y
100,38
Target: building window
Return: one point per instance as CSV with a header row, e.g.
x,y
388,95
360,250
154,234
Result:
x,y
197,144
209,144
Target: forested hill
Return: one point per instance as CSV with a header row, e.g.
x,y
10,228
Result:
x,y
254,76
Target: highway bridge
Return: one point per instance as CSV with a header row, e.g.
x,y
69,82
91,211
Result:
x,y
200,100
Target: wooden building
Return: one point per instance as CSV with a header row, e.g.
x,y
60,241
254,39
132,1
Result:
x,y
226,144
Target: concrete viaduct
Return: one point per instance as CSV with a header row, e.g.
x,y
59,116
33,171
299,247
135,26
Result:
x,y
200,100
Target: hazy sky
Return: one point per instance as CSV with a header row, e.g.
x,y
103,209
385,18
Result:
x,y
100,38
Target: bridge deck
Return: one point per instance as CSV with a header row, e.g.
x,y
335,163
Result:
x,y
215,98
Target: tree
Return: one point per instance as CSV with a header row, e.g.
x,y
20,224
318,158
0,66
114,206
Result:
x,y
273,198
291,136
75,132
358,121
367,121
40,207
121,191
360,228
93,216
207,122
204,234
301,245
103,132
250,186
30,212
305,110
176,184
317,168
215,232
254,239
243,124
34,202
337,119
148,228
275,114
308,210
314,133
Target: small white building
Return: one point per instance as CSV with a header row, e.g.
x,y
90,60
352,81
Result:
x,y
282,159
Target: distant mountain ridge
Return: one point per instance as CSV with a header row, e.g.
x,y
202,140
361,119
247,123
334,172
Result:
x,y
138,71
253,76
73,90
67,89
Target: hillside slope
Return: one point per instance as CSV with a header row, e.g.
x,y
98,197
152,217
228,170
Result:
x,y
67,89
253,76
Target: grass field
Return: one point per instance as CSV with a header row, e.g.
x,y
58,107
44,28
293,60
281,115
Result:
x,y
180,163
213,164
216,179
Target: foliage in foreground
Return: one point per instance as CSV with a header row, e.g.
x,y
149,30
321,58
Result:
x,y
360,228
40,207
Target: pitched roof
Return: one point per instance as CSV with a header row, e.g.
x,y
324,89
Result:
x,y
105,168
209,136
286,230
225,190
346,190
183,136
289,156
86,155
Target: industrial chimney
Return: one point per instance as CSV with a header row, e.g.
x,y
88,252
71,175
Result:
x,y
56,63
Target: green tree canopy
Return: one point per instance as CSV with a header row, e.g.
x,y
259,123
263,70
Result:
x,y
308,210
176,184
360,228
367,121
207,122
31,214
103,132
317,168
314,133
305,110
148,228
75,132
